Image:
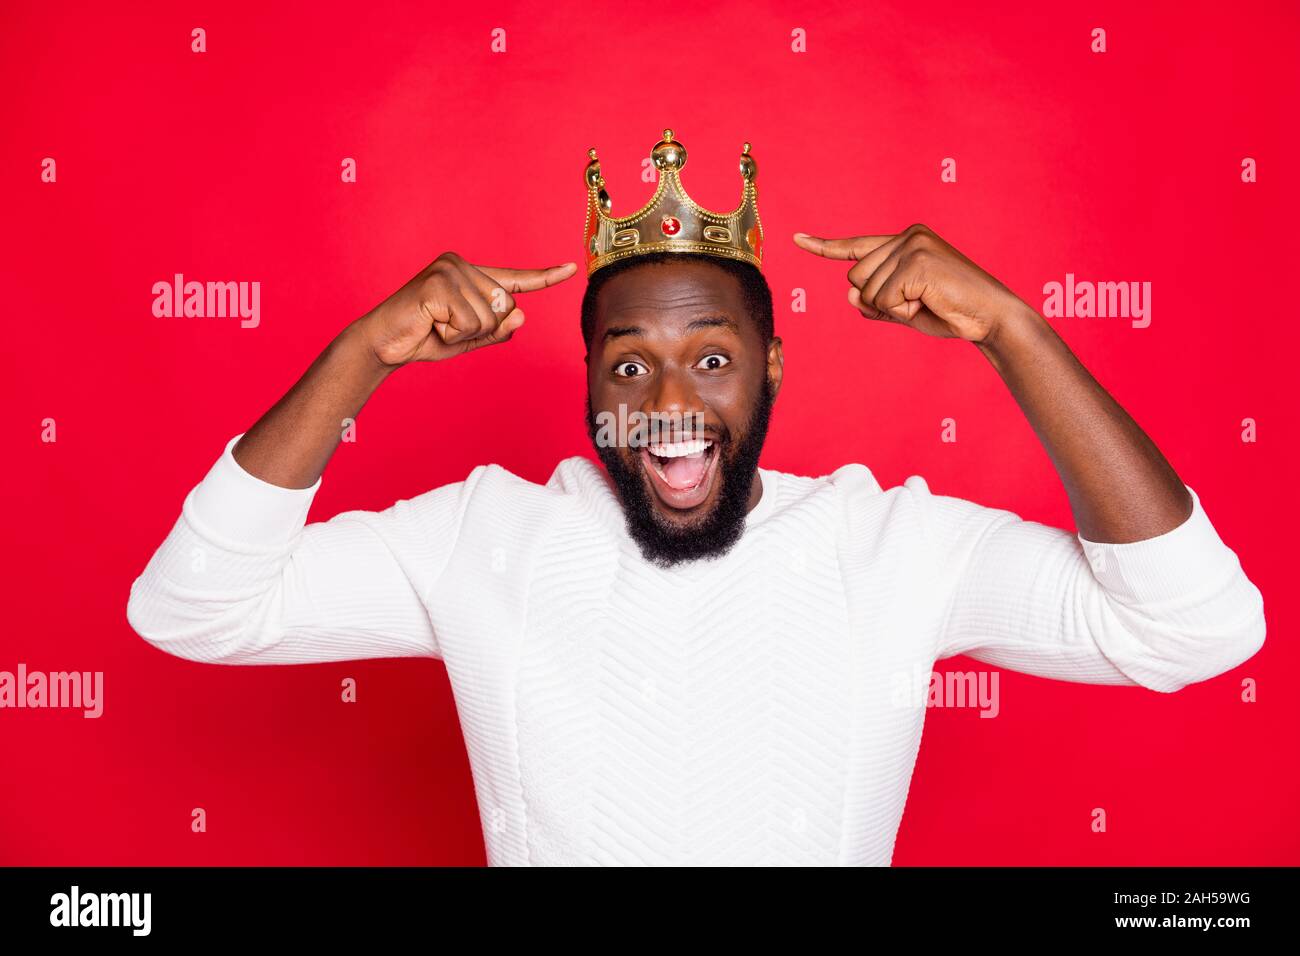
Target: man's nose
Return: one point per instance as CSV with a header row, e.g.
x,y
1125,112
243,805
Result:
x,y
673,393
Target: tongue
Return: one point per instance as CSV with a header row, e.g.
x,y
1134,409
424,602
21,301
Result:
x,y
685,472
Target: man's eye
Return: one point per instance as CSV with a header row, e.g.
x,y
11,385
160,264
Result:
x,y
629,369
714,361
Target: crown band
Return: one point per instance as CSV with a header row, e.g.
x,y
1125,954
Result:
x,y
671,221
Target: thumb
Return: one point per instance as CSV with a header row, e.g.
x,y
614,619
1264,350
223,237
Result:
x,y
502,333
509,325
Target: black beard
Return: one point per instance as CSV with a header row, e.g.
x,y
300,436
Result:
x,y
708,536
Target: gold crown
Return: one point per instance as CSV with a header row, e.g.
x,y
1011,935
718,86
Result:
x,y
671,221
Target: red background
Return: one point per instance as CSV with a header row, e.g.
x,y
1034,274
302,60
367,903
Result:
x,y
225,166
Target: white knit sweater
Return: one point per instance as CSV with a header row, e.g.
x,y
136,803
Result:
x,y
739,711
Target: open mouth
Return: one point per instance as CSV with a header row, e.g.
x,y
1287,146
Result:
x,y
682,472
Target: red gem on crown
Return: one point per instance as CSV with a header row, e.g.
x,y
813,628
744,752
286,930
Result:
x,y
671,225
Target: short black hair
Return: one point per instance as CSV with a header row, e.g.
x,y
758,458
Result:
x,y
753,286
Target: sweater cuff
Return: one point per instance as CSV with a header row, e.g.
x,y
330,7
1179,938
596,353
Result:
x,y
237,507
1189,559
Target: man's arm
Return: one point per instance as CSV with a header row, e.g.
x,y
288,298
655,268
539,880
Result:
x,y
1146,593
243,579
1121,488
1161,613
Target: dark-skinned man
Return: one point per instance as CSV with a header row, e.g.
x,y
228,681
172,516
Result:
x,y
682,657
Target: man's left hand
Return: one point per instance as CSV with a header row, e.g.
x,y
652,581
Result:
x,y
915,278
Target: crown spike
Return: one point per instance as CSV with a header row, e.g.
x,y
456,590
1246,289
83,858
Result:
x,y
748,168
668,153
592,174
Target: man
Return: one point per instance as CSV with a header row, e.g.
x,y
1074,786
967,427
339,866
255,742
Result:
x,y
693,659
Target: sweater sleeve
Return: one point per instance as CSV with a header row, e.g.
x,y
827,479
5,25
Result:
x,y
1161,613
243,579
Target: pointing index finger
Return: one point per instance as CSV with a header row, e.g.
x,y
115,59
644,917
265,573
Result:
x,y
528,280
854,247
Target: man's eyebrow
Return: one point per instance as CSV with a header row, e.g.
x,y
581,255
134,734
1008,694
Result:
x,y
723,321
706,322
614,331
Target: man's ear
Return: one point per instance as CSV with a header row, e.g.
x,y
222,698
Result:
x,y
775,364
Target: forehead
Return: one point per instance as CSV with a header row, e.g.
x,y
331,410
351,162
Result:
x,y
667,295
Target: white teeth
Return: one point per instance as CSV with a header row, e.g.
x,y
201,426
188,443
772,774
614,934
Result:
x,y
680,449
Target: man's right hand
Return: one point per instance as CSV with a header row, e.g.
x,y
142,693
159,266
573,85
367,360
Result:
x,y
448,309
452,307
